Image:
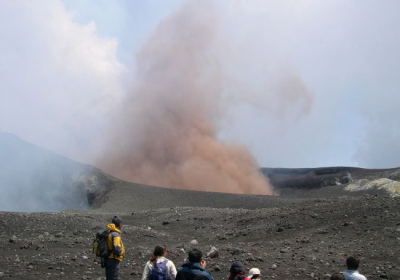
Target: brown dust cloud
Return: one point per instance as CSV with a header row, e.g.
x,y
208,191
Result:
x,y
165,131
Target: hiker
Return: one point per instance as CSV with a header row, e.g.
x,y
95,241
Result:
x,y
195,268
115,245
337,276
351,273
159,267
254,273
237,271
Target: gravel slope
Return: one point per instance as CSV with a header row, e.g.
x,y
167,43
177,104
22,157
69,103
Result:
x,y
127,197
306,240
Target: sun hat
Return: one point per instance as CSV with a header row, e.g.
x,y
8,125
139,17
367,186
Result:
x,y
254,271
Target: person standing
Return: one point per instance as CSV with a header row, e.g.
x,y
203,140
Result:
x,y
351,273
116,247
159,267
195,268
237,271
254,273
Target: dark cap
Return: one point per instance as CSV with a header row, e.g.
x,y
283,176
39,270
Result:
x,y
116,221
337,276
236,268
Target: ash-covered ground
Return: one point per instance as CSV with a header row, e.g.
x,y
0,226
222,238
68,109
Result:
x,y
299,239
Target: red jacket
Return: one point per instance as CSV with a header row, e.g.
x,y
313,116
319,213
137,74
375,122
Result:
x,y
238,277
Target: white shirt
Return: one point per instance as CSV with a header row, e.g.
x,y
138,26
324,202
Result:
x,y
149,266
353,275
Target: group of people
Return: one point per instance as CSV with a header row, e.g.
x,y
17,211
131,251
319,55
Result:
x,y
161,268
351,273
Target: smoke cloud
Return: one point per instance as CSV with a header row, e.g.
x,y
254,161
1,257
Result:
x,y
378,144
58,78
165,132
238,71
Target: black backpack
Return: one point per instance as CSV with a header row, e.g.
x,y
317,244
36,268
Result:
x,y
100,247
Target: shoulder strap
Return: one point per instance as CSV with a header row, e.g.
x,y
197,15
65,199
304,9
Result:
x,y
112,240
155,266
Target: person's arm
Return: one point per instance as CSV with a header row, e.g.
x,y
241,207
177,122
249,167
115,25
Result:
x,y
146,271
117,244
172,270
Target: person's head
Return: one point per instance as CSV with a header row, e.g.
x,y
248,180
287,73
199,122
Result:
x,y
160,251
254,273
195,256
237,268
337,276
352,263
117,222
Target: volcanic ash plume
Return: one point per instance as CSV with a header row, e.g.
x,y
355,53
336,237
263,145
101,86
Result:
x,y
165,132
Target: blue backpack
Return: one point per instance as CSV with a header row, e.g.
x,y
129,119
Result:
x,y
159,271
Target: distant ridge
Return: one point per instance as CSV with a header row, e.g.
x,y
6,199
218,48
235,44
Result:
x,y
313,178
35,179
340,180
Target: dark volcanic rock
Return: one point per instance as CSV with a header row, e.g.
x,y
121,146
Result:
x,y
303,252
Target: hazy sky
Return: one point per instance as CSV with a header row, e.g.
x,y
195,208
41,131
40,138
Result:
x,y
311,83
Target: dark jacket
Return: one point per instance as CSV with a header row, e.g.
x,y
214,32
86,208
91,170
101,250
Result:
x,y
192,271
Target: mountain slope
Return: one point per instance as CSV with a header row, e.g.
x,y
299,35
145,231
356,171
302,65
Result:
x,y
35,179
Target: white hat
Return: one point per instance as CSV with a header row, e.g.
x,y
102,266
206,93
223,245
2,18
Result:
x,y
254,271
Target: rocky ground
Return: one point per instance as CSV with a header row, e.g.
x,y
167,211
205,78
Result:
x,y
300,239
